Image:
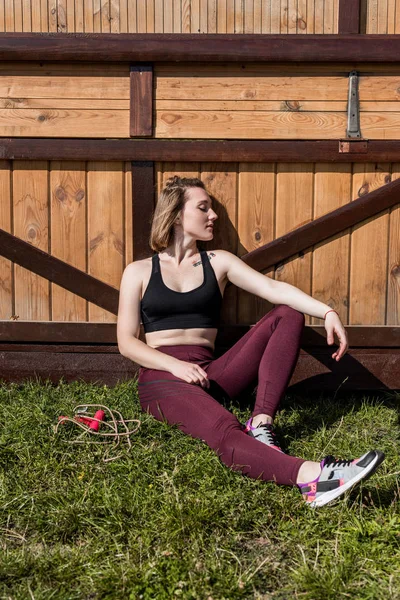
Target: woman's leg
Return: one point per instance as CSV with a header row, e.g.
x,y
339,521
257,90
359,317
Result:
x,y
198,414
269,352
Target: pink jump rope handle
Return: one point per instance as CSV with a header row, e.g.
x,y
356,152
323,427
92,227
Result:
x,y
99,414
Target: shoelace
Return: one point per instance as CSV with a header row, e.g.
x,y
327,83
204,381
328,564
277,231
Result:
x,y
269,430
331,461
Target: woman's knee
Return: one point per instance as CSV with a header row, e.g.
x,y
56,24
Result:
x,y
287,312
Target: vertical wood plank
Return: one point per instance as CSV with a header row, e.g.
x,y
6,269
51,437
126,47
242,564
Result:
x,y
292,16
80,17
177,16
150,16
257,16
248,16
26,15
142,207
44,16
97,16
220,180
230,16
36,16
9,15
105,16
68,233
158,16
369,241
310,16
168,17
186,16
319,16
302,16
212,16
283,25
53,15
330,282
18,19
141,17
3,16
203,5
294,207
128,240
141,100
105,203
256,218
383,16
266,25
6,267
31,224
239,17
88,15
372,16
62,16
391,17
393,298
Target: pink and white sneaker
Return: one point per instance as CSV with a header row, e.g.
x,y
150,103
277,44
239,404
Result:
x,y
263,433
338,476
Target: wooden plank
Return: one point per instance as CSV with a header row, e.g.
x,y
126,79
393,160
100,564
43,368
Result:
x,y
330,264
250,151
141,100
359,369
67,123
221,183
35,16
301,17
51,268
150,17
68,233
141,17
142,204
294,207
250,105
79,103
149,47
369,260
195,16
60,333
230,16
128,233
6,267
62,16
132,17
393,275
349,16
262,85
105,228
212,124
168,17
79,16
186,16
67,84
31,223
256,217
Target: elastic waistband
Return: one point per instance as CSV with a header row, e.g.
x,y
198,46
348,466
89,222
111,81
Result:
x,y
194,351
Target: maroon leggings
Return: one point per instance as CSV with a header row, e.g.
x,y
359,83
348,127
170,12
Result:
x,y
269,352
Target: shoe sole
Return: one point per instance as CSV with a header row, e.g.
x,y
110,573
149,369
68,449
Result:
x,y
365,474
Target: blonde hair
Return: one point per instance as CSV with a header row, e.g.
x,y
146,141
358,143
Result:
x,y
170,203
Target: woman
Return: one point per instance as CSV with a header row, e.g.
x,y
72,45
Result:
x,y
177,294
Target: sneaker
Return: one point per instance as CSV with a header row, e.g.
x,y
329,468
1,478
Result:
x,y
338,476
263,433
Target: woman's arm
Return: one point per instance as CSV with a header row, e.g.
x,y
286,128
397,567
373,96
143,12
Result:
x,y
279,292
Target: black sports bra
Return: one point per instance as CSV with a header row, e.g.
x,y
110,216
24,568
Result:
x,y
162,308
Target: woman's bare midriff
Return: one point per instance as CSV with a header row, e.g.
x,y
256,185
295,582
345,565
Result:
x,y
178,337
187,337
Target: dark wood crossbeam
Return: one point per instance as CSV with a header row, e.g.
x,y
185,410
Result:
x,y
178,47
349,17
55,270
248,151
106,333
325,227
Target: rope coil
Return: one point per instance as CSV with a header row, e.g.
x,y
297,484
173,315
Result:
x,y
115,435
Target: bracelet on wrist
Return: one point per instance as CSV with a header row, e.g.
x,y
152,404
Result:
x,y
328,311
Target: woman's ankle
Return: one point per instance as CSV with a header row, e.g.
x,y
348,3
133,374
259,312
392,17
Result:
x,y
261,418
309,471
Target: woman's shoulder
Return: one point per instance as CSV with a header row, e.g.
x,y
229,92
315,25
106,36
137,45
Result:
x,y
137,268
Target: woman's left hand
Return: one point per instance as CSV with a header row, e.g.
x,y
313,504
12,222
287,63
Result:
x,y
333,324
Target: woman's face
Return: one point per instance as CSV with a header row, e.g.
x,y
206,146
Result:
x,y
197,216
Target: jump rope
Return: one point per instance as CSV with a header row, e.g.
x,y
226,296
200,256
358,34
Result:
x,y
91,426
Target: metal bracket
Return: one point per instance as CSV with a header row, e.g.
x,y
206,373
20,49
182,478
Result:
x,y
353,108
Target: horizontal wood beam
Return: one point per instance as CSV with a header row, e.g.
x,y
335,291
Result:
x,y
59,272
324,227
248,151
167,47
364,369
60,332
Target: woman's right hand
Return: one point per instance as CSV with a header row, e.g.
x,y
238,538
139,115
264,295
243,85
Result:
x,y
191,373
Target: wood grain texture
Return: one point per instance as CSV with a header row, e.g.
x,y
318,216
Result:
x,y
141,100
294,207
105,228
31,224
368,262
68,233
256,224
330,266
393,275
6,267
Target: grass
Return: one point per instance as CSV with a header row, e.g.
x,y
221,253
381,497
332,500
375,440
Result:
x,y
168,520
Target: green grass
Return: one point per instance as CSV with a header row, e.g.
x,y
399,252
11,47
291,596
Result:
x,y
168,520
